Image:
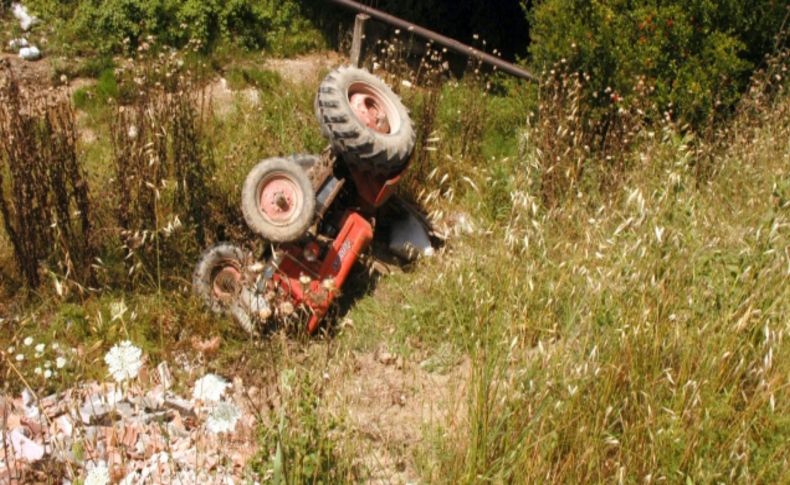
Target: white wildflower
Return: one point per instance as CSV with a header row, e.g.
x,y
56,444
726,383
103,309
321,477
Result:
x,y
47,374
28,341
209,388
60,362
124,361
40,348
223,418
38,371
20,357
99,475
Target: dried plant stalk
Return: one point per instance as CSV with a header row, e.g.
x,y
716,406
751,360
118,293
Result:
x,y
44,194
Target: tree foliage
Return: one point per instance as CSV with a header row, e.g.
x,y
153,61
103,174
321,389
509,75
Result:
x,y
112,26
696,55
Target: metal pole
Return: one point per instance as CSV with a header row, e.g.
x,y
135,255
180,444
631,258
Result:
x,y
359,36
438,38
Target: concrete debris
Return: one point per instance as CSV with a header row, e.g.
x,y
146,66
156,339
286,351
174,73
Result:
x,y
26,21
16,44
30,53
143,435
165,378
25,448
184,407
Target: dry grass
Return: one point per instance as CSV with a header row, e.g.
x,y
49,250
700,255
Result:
x,y
45,202
636,335
624,311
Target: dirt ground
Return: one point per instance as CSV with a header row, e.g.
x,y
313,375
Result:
x,y
390,404
305,69
37,73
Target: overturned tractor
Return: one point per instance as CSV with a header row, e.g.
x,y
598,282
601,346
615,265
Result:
x,y
318,212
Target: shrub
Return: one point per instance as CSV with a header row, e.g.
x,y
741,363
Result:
x,y
115,26
698,55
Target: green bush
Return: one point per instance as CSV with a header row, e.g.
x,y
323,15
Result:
x,y
695,55
117,26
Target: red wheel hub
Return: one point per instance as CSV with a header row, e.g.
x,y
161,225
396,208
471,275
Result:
x,y
226,282
279,199
372,108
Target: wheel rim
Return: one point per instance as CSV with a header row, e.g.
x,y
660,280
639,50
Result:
x,y
279,199
226,281
373,108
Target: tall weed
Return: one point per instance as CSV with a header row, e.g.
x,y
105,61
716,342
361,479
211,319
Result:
x,y
163,165
44,199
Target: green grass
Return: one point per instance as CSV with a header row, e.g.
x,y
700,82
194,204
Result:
x,y
634,335
240,78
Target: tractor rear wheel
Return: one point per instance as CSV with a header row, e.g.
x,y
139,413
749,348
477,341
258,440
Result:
x,y
218,280
365,121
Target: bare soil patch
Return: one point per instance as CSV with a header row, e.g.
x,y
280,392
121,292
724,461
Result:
x,y
306,69
390,404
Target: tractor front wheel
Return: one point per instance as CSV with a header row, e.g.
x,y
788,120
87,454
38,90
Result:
x,y
278,201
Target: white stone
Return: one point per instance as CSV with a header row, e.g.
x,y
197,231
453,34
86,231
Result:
x,y
16,44
24,447
30,53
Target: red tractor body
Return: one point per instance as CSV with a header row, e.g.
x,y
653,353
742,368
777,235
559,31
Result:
x,y
312,278
326,276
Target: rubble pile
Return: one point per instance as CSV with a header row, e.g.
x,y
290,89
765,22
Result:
x,y
123,433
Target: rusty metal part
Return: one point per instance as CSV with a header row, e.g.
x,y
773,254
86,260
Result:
x,y
326,196
370,111
323,168
452,44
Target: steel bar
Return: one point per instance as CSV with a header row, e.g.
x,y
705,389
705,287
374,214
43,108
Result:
x,y
438,38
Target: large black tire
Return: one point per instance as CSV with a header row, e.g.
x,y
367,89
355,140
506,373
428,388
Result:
x,y
222,297
381,151
290,221
208,272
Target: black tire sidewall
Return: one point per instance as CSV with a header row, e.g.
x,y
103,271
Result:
x,y
210,260
371,150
